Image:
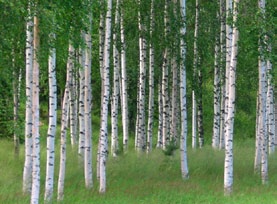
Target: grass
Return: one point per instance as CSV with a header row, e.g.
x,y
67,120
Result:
x,y
150,179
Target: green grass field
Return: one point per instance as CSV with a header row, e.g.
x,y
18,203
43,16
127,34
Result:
x,y
150,179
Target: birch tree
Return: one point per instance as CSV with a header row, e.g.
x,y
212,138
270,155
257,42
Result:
x,y
183,101
64,124
27,173
228,163
195,70
165,96
140,130
88,103
124,98
51,133
104,107
35,119
115,94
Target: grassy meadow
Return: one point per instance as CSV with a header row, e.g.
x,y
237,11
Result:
x,y
149,179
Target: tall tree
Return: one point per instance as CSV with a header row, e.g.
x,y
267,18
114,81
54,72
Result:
x,y
64,123
88,101
104,107
151,83
115,94
35,119
124,97
183,101
27,174
51,133
228,164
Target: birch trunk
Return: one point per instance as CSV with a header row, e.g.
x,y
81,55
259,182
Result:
x,y
160,125
174,101
165,96
81,109
258,141
35,127
50,158
195,71
228,164
87,107
104,122
222,73
115,94
124,81
64,124
183,100
141,136
27,173
151,83
263,98
229,39
216,123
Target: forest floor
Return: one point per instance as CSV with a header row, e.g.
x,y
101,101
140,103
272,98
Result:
x,y
149,179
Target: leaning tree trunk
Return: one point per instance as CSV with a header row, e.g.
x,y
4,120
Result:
x,y
35,127
228,164
104,108
64,124
50,161
183,100
27,173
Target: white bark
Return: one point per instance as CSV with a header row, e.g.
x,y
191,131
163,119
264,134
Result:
x,y
35,127
151,84
124,98
115,94
270,109
222,73
64,124
165,94
228,164
87,108
141,134
27,173
183,101
216,122
258,141
81,109
50,161
160,125
174,101
195,70
106,92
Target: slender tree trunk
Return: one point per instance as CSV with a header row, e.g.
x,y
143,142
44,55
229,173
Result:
x,y
115,94
228,164
222,73
27,173
141,133
258,142
88,106
104,122
183,100
195,71
81,109
64,124
160,125
165,76
216,124
50,161
174,101
151,83
124,81
35,127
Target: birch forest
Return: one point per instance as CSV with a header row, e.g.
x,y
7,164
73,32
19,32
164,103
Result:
x,y
146,101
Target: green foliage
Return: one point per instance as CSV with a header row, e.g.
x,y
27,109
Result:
x,y
170,148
